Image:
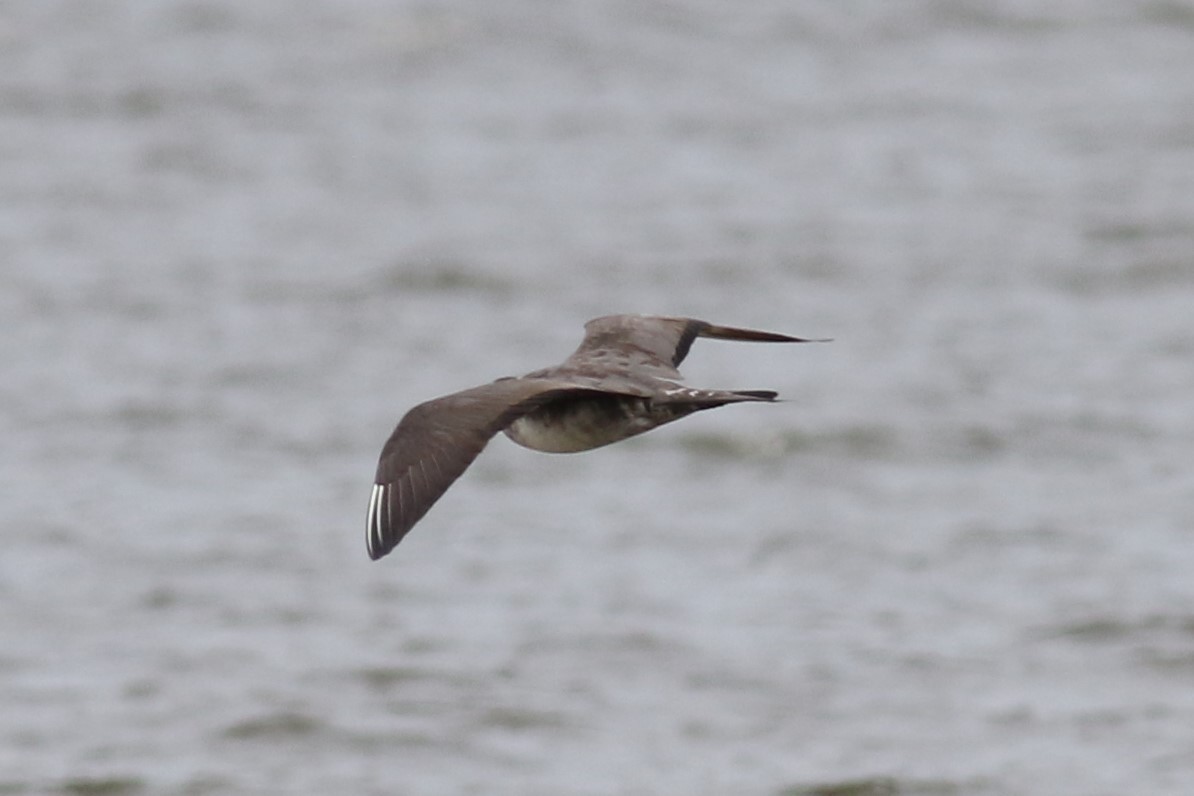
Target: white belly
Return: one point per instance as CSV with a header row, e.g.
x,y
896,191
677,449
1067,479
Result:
x,y
583,425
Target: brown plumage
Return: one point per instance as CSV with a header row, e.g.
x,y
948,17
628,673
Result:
x,y
620,382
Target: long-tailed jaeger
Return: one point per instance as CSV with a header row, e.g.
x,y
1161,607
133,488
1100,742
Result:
x,y
620,382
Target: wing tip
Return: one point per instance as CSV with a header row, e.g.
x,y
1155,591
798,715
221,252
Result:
x,y
377,526
755,336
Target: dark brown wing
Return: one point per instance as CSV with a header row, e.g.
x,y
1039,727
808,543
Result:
x,y
652,345
434,443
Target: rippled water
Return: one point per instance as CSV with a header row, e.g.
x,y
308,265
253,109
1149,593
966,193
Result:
x,y
239,240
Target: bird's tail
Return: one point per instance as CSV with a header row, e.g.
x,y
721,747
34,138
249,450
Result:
x,y
708,399
756,395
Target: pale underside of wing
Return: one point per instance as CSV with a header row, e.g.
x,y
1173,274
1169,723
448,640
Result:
x,y
434,444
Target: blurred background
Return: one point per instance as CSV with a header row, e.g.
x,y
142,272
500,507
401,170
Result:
x,y
238,240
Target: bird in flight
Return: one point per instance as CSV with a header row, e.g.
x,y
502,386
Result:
x,y
620,382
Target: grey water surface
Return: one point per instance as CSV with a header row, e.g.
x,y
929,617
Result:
x,y
238,240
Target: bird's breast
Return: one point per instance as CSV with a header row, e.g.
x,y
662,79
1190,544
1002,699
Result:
x,y
580,424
